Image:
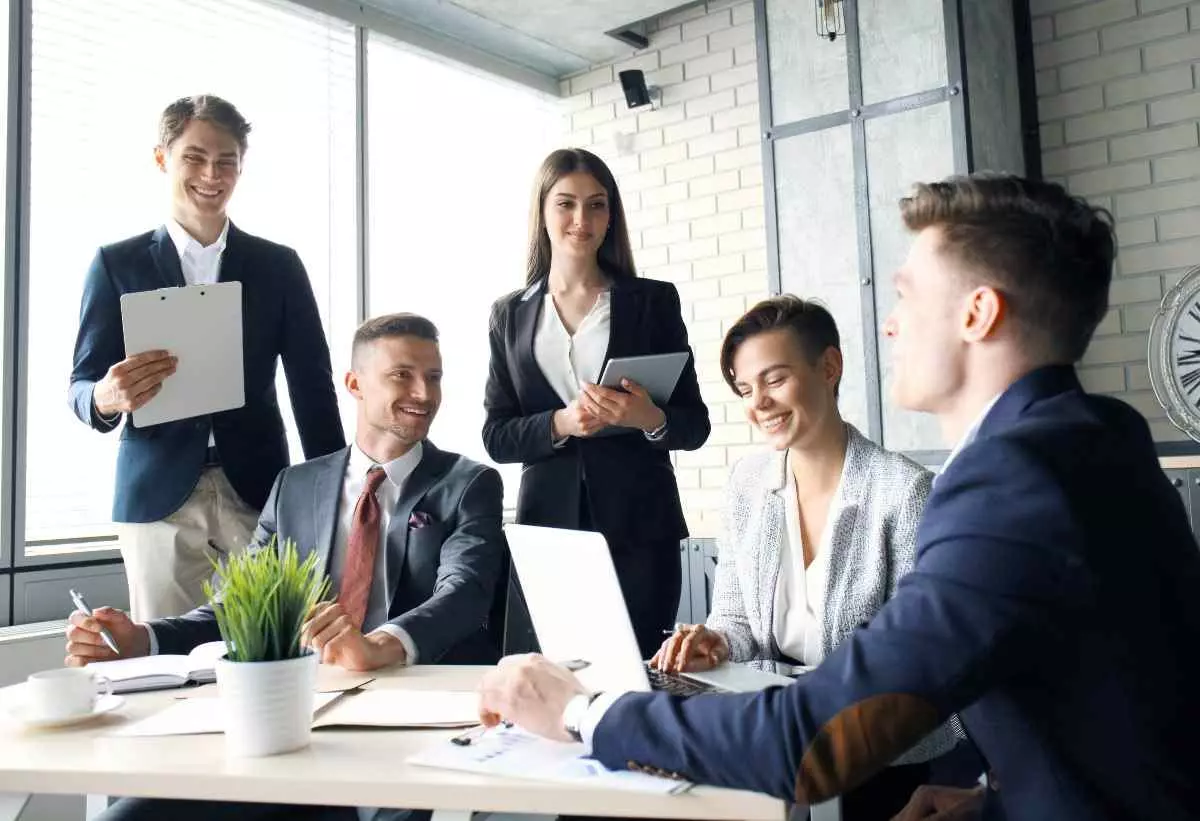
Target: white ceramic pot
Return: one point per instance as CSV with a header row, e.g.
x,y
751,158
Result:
x,y
267,706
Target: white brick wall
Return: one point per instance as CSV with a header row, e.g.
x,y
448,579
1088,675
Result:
x,y
691,176
1119,100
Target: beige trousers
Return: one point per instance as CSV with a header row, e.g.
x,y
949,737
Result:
x,y
167,562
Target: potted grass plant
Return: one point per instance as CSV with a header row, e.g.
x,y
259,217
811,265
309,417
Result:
x,y
266,679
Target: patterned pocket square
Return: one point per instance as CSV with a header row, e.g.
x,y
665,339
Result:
x,y
419,519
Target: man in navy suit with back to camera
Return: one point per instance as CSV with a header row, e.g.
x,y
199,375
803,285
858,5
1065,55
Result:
x,y
188,490
1055,599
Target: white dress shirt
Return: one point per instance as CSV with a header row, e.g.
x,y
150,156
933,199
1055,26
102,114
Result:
x,y
201,264
398,471
800,590
388,493
970,435
568,359
799,605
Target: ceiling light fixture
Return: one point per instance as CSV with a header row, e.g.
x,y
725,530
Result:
x,y
831,19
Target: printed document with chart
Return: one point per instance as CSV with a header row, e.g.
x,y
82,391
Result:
x,y
511,751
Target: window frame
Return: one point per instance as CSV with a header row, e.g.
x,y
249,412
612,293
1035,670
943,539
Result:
x,y
18,564
16,557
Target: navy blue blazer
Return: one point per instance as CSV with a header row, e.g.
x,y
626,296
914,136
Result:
x,y
446,552
1054,604
632,495
158,466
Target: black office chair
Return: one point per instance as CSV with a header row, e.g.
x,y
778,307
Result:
x,y
519,635
497,619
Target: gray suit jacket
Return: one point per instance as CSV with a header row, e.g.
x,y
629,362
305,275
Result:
x,y
445,563
872,534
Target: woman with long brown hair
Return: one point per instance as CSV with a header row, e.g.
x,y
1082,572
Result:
x,y
594,458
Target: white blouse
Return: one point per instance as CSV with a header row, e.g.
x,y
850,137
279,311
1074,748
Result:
x,y
800,591
567,359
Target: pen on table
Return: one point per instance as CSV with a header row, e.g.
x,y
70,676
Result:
x,y
83,607
475,733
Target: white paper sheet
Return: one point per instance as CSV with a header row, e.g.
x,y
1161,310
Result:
x,y
515,753
194,716
403,709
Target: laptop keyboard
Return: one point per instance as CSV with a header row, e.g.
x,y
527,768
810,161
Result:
x,y
674,684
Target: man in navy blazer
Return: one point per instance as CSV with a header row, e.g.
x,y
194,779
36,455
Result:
x,y
188,489
1055,600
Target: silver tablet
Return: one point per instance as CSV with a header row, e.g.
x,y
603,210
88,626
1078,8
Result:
x,y
657,373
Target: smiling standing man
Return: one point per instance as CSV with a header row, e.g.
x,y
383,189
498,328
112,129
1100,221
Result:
x,y
188,490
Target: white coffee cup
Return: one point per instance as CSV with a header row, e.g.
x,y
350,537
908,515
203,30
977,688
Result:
x,y
63,693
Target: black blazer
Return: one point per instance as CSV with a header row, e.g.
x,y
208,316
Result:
x,y
158,466
630,484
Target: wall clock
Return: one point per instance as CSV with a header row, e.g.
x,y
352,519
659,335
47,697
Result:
x,y
1174,354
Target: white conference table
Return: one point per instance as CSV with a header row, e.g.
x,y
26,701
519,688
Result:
x,y
342,767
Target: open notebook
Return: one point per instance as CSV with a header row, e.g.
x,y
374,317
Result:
x,y
403,709
162,672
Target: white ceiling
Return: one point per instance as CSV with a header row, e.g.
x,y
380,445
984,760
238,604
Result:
x,y
550,37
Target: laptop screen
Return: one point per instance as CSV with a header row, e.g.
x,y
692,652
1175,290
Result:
x,y
575,604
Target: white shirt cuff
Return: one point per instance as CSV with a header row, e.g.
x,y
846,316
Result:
x,y
595,712
108,420
153,639
401,635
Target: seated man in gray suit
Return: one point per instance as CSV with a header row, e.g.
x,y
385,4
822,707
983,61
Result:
x,y
410,535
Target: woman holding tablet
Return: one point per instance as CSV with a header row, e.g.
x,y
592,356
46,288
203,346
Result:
x,y
819,528
595,458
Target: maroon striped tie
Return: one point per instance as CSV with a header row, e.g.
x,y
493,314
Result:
x,y
361,547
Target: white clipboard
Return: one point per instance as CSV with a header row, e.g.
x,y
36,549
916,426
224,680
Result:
x,y
202,326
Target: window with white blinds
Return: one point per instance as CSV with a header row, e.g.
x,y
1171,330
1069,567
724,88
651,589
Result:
x,y
453,158
102,71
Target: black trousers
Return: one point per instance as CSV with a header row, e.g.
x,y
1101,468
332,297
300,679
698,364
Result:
x,y
884,794
651,579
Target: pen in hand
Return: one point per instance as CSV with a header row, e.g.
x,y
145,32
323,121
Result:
x,y
475,734
82,606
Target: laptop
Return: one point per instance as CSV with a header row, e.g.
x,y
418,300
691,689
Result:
x,y
580,618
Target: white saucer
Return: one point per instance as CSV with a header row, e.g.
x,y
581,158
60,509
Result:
x,y
105,704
